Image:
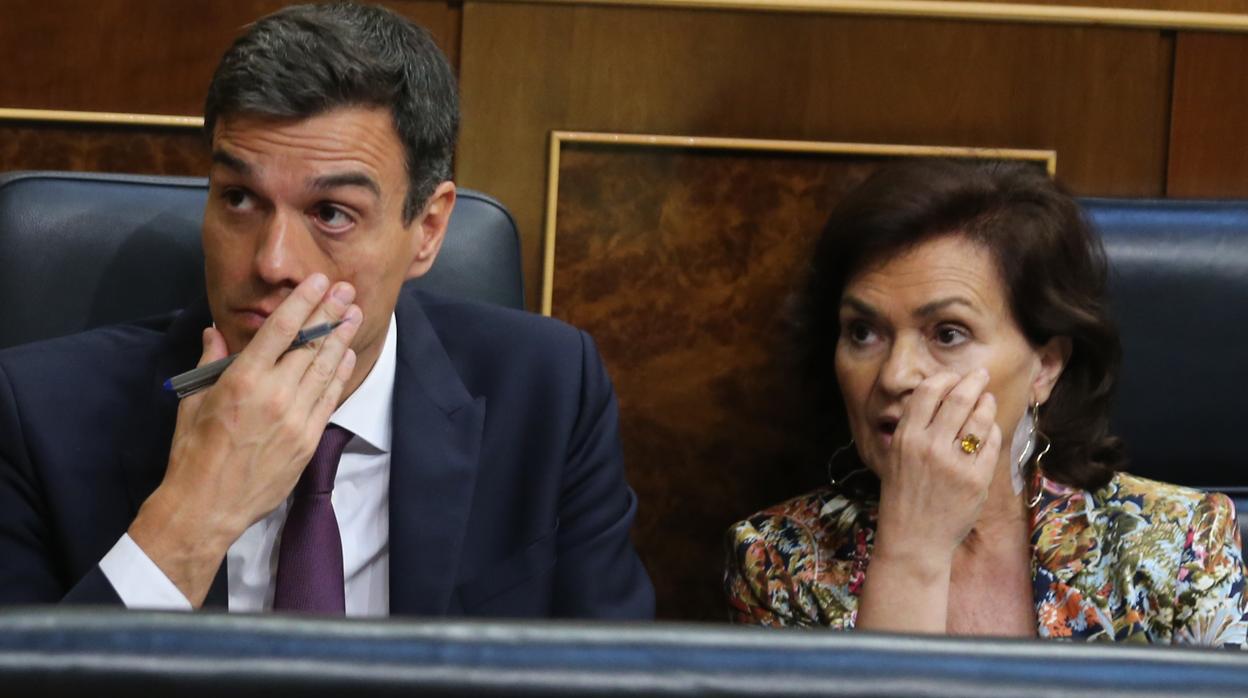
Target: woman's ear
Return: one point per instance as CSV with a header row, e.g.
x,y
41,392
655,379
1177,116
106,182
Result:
x,y
1053,356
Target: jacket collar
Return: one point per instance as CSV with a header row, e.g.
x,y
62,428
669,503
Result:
x,y
433,467
1064,538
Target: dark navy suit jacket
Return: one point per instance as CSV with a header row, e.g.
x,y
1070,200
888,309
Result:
x,y
507,490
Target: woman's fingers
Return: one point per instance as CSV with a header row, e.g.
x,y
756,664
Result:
x,y
979,424
956,408
917,414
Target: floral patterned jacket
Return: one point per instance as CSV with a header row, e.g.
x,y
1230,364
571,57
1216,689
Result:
x,y
1135,561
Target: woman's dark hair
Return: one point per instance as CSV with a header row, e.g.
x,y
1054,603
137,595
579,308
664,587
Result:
x,y
1050,261
305,60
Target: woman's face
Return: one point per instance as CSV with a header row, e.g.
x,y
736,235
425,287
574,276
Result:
x,y
939,307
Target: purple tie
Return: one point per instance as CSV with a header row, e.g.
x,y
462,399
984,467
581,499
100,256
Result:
x,y
309,562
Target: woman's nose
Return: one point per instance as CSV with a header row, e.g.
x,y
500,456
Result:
x,y
905,366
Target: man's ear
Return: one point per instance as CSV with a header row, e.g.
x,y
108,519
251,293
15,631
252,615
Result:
x,y
1053,356
430,229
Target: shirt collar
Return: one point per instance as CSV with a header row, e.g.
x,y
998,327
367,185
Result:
x,y
368,412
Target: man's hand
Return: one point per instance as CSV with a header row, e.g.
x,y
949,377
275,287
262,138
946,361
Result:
x,y
239,447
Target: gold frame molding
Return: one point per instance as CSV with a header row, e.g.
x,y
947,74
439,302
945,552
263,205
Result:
x,y
100,118
957,10
558,138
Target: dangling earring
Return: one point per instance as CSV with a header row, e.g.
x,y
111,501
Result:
x,y
848,476
1021,447
1048,444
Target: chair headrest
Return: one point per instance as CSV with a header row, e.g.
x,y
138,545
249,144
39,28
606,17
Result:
x,y
1179,291
83,250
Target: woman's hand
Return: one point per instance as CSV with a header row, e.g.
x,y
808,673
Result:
x,y
931,494
931,491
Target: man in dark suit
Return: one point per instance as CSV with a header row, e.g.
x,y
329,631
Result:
x,y
427,457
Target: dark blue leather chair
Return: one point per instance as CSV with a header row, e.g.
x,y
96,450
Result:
x,y
1179,289
82,250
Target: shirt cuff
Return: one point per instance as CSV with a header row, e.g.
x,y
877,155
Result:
x,y
138,581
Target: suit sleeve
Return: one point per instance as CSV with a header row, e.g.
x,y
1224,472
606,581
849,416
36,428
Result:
x,y
598,574
30,571
1210,607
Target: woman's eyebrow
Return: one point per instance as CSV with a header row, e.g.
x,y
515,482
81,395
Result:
x,y
859,306
929,309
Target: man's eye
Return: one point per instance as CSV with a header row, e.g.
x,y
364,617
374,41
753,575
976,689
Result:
x,y
332,216
951,335
236,198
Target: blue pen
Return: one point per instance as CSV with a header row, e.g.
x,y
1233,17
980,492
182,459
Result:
x,y
199,378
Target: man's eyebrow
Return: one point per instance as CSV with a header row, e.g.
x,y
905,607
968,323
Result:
x,y
928,309
223,158
347,179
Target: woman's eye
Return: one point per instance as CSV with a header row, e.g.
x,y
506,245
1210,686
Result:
x,y
332,216
859,332
950,335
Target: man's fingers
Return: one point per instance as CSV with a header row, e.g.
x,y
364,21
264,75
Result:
x,y
335,305
214,346
323,368
280,328
214,349
327,401
333,308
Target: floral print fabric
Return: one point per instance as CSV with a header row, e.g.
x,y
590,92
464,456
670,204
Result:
x,y
1135,561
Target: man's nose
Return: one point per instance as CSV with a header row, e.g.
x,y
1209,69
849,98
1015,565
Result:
x,y
906,365
279,255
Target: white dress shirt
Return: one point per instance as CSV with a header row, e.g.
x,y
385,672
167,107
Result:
x,y
361,505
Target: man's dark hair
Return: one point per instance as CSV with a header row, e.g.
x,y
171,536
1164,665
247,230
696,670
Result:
x,y
309,59
1051,264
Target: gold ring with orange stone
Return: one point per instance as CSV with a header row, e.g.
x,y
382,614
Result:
x,y
970,444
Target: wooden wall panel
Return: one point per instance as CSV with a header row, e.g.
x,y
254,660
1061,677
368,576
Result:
x,y
27,146
1099,96
1209,127
1227,6
142,56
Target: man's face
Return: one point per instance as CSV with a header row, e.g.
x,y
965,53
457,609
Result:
x,y
289,198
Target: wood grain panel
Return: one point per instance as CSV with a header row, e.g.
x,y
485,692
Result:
x,y
146,56
1176,15
1209,127
529,69
1229,6
27,146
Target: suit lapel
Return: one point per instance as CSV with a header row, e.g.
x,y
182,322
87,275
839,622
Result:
x,y
145,452
433,467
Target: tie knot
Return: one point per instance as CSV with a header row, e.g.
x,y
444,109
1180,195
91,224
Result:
x,y
318,477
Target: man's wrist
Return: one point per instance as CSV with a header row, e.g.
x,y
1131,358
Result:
x,y
186,545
